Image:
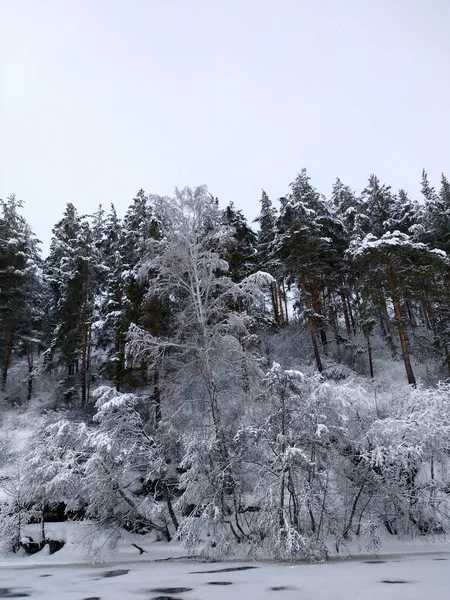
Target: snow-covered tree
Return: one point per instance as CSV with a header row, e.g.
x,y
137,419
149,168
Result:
x,y
20,302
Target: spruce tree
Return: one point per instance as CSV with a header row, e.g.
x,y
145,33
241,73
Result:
x,y
72,269
304,249
241,255
19,286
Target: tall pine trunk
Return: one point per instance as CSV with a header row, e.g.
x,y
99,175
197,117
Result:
x,y
280,304
400,324
275,307
311,326
317,304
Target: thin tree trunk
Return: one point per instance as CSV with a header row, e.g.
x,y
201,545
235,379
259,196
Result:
x,y
384,322
400,324
310,483
83,362
42,524
7,359
280,304
345,311
170,507
426,317
311,326
156,397
334,324
411,316
283,474
317,304
30,370
285,303
369,352
84,345
353,511
274,295
119,359
350,313
88,364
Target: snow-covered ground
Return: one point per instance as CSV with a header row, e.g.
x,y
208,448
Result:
x,y
406,571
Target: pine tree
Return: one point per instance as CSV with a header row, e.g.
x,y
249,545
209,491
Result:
x,y
267,258
267,221
378,202
306,229
19,296
348,209
113,302
437,215
241,256
72,269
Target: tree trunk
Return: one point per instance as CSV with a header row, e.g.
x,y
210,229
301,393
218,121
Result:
x,y
369,352
426,317
7,359
281,516
280,304
42,524
156,397
334,324
170,507
274,295
400,324
311,326
345,311
83,362
88,363
30,370
317,304
285,303
411,316
350,312
84,346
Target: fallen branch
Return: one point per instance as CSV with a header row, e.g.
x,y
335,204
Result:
x,y
141,550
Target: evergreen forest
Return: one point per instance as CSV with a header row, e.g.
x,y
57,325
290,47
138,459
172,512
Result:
x,y
266,388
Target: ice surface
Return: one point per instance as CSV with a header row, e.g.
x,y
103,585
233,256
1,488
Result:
x,y
412,577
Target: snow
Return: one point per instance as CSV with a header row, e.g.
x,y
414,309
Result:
x,y
408,577
70,573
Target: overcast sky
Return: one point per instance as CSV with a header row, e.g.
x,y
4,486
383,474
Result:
x,y
101,97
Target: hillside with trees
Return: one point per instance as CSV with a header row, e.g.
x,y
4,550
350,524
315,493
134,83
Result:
x,y
276,386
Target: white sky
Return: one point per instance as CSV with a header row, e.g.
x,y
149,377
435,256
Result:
x,y
101,97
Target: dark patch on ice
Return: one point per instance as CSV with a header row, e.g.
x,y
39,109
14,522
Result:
x,y
374,562
9,593
395,581
46,575
115,573
281,588
171,590
220,583
227,570
166,598
92,598
440,558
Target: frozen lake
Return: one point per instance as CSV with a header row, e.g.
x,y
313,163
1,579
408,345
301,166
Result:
x,y
407,577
